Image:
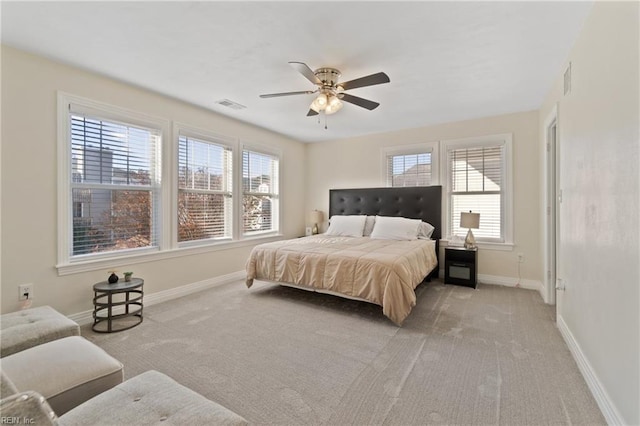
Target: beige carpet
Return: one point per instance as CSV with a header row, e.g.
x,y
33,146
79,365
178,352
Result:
x,y
277,355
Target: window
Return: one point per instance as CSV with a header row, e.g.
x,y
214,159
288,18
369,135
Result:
x,y
477,179
114,184
411,165
205,188
260,203
124,199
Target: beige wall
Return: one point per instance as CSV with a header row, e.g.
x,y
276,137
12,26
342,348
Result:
x,y
357,163
29,174
599,215
29,188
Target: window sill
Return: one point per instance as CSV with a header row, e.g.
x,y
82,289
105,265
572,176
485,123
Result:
x,y
485,245
114,262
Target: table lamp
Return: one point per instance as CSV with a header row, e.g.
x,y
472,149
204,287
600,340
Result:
x,y
469,220
315,217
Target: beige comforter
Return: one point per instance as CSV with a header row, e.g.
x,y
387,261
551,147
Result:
x,y
384,272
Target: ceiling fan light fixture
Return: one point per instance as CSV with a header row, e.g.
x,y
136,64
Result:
x,y
319,103
334,105
322,100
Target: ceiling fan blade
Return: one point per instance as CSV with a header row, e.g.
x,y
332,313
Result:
x,y
311,113
275,95
304,69
369,80
361,102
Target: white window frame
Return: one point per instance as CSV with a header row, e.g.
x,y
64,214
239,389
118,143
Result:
x,y
67,103
250,146
418,148
506,141
167,247
181,129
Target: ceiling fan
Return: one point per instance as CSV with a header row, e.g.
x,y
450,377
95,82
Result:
x,y
331,93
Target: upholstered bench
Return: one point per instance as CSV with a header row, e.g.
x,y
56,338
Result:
x,y
151,398
31,327
67,372
148,399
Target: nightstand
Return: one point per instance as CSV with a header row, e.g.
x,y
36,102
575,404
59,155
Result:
x,y
461,266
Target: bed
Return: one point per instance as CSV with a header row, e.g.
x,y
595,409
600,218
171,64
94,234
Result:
x,y
380,271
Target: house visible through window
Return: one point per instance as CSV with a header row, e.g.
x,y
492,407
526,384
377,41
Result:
x,y
409,169
131,191
260,201
205,187
114,189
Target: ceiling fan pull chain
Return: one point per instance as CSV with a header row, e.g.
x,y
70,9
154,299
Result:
x,y
325,121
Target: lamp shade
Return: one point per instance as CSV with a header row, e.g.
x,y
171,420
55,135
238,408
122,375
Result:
x,y
316,216
469,220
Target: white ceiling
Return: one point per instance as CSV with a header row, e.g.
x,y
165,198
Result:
x,y
447,61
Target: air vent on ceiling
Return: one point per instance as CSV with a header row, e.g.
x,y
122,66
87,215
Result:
x,y
230,104
567,80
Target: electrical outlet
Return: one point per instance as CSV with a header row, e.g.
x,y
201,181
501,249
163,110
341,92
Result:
x,y
520,257
25,291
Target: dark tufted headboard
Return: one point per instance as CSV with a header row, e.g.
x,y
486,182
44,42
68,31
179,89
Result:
x,y
415,202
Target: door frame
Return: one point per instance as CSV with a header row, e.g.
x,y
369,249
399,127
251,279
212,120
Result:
x,y
550,213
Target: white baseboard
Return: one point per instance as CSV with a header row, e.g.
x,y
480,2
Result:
x,y
609,411
509,282
86,317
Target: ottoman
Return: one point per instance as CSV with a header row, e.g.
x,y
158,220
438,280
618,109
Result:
x,y
67,372
24,329
149,399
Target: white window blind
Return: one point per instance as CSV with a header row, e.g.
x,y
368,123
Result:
x,y
409,169
205,187
260,201
476,183
114,185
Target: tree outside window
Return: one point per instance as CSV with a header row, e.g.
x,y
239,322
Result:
x,y
112,191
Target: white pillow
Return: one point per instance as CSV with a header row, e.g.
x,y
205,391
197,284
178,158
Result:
x,y
425,230
346,226
395,228
368,226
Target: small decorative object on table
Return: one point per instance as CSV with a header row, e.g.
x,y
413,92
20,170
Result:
x,y
127,276
113,278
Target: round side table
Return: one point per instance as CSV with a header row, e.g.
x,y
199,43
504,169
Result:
x,y
125,297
